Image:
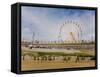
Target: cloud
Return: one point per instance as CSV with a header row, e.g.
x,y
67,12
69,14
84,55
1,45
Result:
x,y
46,22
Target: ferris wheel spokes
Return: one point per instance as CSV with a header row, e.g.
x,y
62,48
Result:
x,y
77,27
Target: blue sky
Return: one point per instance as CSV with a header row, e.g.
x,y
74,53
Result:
x,y
46,23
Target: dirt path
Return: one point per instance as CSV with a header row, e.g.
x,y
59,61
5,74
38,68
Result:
x,y
38,65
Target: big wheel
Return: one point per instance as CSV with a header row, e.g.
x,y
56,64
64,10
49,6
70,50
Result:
x,y
71,32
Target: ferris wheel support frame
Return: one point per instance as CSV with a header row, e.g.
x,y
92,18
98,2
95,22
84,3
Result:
x,y
77,26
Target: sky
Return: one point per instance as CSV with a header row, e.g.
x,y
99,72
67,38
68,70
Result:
x,y
50,23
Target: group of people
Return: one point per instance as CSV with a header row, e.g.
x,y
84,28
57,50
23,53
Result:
x,y
56,58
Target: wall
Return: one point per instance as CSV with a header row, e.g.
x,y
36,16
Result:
x,y
5,36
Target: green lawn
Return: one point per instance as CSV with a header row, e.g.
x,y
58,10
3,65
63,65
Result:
x,y
39,53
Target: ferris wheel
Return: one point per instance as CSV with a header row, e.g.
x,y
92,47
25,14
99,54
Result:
x,y
71,31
